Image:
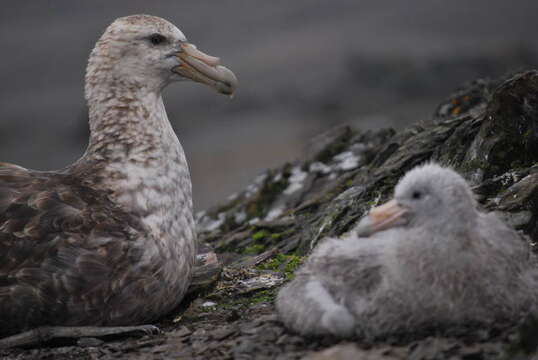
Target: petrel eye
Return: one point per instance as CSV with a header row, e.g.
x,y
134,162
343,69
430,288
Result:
x,y
157,39
416,195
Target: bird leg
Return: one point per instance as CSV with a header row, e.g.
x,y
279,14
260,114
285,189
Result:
x,y
45,333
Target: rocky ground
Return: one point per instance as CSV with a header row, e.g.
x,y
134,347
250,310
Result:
x,y
488,130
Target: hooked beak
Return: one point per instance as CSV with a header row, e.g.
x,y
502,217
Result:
x,y
205,69
382,217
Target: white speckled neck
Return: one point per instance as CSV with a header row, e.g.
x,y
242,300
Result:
x,y
142,164
133,153
144,170
131,134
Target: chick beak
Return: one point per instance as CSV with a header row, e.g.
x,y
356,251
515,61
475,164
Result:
x,y
205,69
382,217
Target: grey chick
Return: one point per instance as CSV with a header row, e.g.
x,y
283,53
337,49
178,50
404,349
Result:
x,y
426,259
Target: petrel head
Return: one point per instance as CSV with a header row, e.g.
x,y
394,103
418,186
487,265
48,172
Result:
x,y
428,195
150,51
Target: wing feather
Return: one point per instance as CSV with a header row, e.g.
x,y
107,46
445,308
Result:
x,y
60,243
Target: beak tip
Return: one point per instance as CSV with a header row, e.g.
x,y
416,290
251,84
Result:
x,y
383,217
205,69
228,83
364,228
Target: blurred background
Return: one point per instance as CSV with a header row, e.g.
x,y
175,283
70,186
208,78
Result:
x,y
304,66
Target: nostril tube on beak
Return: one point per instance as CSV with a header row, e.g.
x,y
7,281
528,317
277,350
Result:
x,y
192,51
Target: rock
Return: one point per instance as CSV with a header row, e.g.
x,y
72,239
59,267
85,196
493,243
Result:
x,y
345,352
89,342
181,332
492,138
487,130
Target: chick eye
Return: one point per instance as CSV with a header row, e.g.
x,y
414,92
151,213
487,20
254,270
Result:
x,y
416,195
157,39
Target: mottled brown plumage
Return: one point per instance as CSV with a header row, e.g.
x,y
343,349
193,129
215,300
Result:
x,y
65,248
109,240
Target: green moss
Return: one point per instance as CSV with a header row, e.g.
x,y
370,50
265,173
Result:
x,y
283,263
253,249
292,264
262,296
259,240
259,235
245,301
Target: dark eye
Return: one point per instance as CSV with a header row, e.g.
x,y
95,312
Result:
x,y
157,39
416,195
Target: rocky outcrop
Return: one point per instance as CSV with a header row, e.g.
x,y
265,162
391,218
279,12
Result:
x,y
488,131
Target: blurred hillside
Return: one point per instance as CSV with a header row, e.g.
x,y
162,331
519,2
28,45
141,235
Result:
x,y
304,66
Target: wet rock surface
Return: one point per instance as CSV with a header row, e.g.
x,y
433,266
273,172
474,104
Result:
x,y
487,130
